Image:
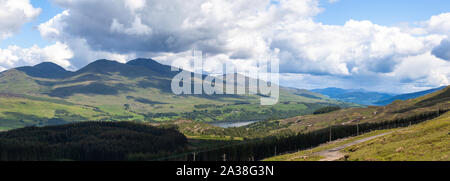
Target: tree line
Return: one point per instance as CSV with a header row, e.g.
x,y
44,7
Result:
x,y
88,141
258,149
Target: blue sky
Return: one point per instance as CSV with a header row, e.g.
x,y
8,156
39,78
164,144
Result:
x,y
29,35
382,12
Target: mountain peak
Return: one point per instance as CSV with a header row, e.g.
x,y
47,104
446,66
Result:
x,y
101,66
104,61
142,60
134,68
45,70
49,65
152,65
148,63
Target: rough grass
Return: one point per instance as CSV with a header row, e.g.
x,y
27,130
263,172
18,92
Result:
x,y
310,154
398,109
16,112
428,141
215,137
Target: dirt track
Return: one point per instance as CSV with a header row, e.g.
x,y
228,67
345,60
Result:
x,y
333,154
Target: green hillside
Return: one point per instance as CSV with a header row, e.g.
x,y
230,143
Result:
x,y
428,141
17,82
372,114
408,96
139,90
18,111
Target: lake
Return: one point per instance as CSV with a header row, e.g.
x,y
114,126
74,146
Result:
x,y
232,124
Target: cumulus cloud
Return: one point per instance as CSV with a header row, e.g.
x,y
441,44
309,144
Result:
x,y
15,13
239,30
310,47
52,29
439,24
425,69
134,5
165,26
82,51
443,50
137,28
15,56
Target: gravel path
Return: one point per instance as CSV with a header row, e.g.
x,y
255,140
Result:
x,y
333,154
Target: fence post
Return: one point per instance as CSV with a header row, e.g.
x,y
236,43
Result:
x,y
357,129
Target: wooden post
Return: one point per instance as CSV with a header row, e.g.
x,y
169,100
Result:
x,y
330,132
357,129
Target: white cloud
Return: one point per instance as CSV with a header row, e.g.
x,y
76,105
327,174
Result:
x,y
309,47
82,52
425,68
134,5
439,24
443,50
15,56
137,28
13,14
52,29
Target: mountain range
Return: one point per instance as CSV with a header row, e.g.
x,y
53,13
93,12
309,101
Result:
x,y
363,97
139,90
408,96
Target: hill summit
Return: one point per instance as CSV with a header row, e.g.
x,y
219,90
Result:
x,y
45,70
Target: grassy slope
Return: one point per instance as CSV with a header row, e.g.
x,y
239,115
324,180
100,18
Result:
x,y
13,81
16,112
395,110
306,123
168,102
309,154
428,141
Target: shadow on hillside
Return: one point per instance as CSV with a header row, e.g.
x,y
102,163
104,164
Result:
x,y
95,88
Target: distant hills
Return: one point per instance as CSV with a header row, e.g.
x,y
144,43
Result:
x,y
408,96
363,97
